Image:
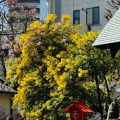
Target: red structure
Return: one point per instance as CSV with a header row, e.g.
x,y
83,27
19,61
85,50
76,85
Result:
x,y
78,111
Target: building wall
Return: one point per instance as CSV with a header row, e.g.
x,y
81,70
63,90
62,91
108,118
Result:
x,y
5,103
60,7
43,10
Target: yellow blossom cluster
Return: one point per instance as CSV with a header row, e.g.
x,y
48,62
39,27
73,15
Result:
x,y
50,57
88,85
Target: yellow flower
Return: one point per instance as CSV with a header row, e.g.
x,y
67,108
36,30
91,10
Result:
x,y
38,113
9,72
48,102
66,18
17,60
35,24
9,63
37,83
49,107
50,18
77,26
23,113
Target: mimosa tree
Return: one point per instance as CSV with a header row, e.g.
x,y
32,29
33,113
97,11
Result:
x,y
55,68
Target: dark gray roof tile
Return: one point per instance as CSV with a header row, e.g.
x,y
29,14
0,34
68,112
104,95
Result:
x,y
6,89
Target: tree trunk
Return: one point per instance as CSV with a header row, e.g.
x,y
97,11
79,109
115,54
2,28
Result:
x,y
107,90
3,65
99,98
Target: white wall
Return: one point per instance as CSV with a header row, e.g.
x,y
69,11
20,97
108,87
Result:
x,y
5,103
60,7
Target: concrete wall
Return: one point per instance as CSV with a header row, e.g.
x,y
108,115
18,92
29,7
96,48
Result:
x,y
60,7
5,104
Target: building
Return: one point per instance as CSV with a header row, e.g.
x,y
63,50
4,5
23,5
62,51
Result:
x,y
39,5
6,95
89,13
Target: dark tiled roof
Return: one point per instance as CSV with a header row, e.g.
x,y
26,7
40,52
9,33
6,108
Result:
x,y
6,89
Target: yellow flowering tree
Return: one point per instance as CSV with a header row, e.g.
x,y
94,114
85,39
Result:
x,y
53,69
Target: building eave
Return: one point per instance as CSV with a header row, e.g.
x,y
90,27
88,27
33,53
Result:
x,y
109,38
6,89
4,92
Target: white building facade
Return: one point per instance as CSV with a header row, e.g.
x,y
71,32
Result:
x,y
89,13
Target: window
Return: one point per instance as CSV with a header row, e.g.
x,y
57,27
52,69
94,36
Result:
x,y
76,17
92,15
29,1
